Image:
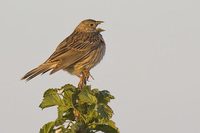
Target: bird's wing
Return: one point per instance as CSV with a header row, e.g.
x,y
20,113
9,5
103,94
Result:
x,y
73,44
71,50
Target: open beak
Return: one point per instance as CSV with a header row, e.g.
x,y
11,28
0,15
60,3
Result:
x,y
99,22
99,29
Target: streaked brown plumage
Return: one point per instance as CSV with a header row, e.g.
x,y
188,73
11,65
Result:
x,y
77,54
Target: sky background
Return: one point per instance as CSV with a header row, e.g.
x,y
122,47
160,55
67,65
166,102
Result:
x,y
151,65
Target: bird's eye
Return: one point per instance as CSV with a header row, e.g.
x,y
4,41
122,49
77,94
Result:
x,y
91,25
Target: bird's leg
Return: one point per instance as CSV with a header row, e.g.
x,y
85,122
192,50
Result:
x,y
84,78
91,76
86,74
82,82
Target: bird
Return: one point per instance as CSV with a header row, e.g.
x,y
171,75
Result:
x,y
77,54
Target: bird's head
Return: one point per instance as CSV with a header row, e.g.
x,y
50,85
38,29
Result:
x,y
89,25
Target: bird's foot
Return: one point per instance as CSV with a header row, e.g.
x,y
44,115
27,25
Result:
x,y
87,75
82,82
84,77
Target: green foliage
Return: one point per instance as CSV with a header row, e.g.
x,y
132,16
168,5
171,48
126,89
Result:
x,y
79,111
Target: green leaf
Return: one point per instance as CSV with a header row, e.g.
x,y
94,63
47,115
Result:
x,y
67,93
85,96
69,114
62,111
74,128
68,86
48,128
68,97
103,96
104,111
51,98
108,127
85,110
91,114
112,124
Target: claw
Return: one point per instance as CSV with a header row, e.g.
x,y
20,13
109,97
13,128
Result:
x,y
91,76
84,77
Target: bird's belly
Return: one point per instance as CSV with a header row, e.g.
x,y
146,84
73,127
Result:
x,y
87,62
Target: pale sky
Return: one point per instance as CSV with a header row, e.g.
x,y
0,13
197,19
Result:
x,y
151,64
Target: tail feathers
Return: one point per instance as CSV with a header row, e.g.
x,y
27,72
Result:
x,y
36,71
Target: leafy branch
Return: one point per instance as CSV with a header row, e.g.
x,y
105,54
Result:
x,y
79,111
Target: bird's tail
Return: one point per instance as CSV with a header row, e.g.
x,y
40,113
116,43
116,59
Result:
x,y
43,68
